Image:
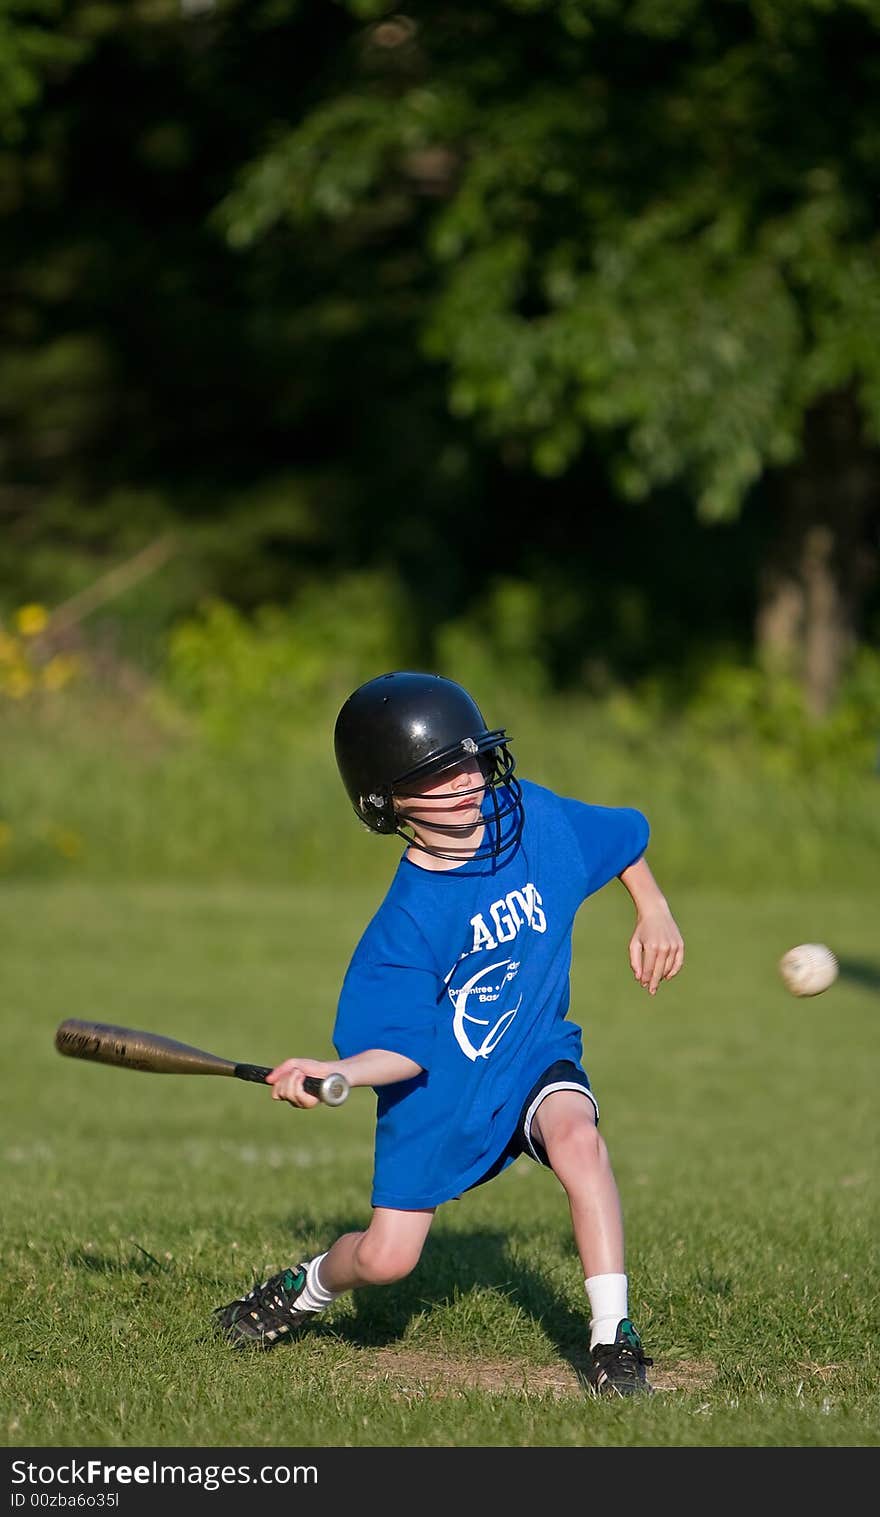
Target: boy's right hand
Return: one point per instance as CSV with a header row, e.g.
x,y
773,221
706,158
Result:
x,y
287,1080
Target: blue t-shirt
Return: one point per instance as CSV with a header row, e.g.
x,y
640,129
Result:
x,y
466,972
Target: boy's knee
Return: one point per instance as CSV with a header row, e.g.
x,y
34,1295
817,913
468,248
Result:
x,y
577,1145
381,1263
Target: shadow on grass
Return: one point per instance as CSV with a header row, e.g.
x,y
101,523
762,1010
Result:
x,y
450,1267
860,972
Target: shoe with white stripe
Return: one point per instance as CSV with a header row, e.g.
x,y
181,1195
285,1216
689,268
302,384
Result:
x,y
268,1314
618,1368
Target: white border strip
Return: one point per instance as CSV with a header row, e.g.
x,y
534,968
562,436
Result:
x,y
548,1090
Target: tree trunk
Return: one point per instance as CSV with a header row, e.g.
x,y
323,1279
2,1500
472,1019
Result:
x,y
824,556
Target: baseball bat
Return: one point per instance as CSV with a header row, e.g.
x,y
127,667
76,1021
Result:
x,y
131,1049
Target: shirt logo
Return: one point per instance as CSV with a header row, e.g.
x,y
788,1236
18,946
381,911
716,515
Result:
x,y
507,916
463,1020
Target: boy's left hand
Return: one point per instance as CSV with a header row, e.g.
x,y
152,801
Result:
x,y
656,949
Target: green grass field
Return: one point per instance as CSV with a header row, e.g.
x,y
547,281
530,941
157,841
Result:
x,y
742,1124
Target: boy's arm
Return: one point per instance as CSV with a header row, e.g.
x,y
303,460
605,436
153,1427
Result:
x,y
375,1066
656,948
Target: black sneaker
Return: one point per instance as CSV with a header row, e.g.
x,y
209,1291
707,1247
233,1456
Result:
x,y
267,1314
618,1368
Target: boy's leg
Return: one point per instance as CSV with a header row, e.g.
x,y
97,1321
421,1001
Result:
x,y
565,1126
287,1302
389,1250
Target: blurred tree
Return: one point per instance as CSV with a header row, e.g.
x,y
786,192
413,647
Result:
x,y
466,291
32,50
655,221
277,406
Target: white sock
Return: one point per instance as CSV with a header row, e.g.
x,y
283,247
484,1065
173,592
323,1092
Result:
x,y
608,1296
314,1298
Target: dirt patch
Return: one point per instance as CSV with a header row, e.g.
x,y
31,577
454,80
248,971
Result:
x,y
409,1373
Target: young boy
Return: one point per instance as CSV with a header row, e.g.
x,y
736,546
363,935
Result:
x,y
454,1004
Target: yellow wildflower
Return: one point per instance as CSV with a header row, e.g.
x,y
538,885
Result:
x,y
31,619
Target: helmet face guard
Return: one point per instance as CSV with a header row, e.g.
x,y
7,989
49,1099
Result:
x,y
502,826
403,728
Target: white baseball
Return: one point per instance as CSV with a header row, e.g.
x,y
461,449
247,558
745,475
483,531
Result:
x,y
808,969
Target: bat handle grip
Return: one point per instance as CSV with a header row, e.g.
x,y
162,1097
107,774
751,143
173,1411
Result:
x,y
332,1089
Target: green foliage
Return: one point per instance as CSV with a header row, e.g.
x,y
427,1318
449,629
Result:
x,y
223,766
477,301
498,647
272,674
743,706
258,680
32,47
651,250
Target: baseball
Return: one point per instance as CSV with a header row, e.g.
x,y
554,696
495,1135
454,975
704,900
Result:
x,y
808,969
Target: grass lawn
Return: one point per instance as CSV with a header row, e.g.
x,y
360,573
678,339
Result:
x,y
742,1124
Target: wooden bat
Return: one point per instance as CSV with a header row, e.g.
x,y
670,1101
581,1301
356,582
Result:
x,y
150,1051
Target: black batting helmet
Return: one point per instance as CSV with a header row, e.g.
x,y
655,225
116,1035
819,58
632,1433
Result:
x,y
400,728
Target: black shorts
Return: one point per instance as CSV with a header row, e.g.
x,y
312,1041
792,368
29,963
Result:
x,y
563,1075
